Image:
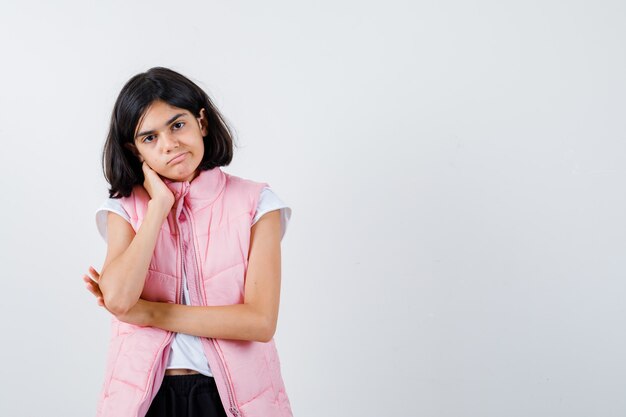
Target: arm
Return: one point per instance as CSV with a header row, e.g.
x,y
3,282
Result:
x,y
256,318
128,256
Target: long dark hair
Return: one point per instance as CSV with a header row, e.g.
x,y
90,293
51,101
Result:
x,y
121,166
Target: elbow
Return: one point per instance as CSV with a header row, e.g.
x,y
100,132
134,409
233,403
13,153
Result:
x,y
116,307
116,303
260,324
268,329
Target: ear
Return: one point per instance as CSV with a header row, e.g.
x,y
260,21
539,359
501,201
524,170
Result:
x,y
203,122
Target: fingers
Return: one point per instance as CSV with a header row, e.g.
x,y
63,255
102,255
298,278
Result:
x,y
94,289
96,275
145,167
146,171
92,286
91,283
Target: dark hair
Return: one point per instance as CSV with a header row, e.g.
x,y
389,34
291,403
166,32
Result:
x,y
122,168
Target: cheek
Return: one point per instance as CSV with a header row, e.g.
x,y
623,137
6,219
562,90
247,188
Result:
x,y
149,158
201,147
153,163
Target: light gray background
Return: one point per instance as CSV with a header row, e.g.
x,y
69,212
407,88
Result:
x,y
455,170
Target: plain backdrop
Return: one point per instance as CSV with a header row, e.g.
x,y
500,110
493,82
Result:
x,y
456,174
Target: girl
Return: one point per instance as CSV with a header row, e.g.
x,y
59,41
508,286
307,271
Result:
x,y
192,271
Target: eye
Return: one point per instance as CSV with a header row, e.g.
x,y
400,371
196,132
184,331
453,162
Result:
x,y
179,123
147,138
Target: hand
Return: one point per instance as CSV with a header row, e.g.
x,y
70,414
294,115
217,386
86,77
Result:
x,y
156,188
139,315
93,285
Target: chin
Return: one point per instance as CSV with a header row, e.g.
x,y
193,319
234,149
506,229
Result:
x,y
184,177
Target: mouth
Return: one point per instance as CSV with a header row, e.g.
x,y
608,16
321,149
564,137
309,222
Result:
x,y
177,158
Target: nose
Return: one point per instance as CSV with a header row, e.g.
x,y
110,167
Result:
x,y
169,142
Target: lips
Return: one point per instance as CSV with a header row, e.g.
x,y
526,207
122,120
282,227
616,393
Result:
x,y
177,158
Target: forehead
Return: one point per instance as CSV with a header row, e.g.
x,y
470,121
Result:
x,y
157,114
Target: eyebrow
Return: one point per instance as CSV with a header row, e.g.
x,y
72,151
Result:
x,y
147,132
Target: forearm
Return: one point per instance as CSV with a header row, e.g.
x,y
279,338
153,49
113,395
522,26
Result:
x,y
123,279
236,321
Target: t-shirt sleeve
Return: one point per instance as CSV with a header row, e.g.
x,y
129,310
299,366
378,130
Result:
x,y
110,204
269,201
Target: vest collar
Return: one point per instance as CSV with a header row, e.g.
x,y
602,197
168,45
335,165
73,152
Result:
x,y
201,191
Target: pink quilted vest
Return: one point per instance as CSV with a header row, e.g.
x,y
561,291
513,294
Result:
x,y
208,233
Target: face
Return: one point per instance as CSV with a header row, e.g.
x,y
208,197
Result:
x,y
169,139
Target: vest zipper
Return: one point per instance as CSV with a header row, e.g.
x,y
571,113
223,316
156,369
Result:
x,y
231,398
233,407
193,253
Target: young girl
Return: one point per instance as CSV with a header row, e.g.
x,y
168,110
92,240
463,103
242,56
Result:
x,y
192,271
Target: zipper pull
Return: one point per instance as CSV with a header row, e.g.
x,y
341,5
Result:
x,y
234,410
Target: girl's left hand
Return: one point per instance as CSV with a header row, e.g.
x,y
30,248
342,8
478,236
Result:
x,y
138,315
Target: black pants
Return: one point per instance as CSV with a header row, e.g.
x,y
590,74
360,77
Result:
x,y
187,396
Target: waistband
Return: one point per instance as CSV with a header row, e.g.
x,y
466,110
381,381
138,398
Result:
x,y
184,384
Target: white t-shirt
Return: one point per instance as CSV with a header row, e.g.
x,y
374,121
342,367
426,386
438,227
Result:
x,y
186,350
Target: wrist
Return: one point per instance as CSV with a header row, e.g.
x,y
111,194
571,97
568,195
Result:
x,y
147,313
156,313
161,207
140,315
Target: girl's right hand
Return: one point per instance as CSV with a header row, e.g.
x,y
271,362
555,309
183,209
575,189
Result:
x,y
156,188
